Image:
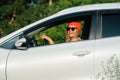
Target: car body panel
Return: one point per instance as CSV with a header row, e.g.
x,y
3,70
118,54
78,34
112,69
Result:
x,y
92,7
107,52
55,62
3,62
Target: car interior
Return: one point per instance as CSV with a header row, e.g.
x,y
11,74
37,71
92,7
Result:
x,y
33,35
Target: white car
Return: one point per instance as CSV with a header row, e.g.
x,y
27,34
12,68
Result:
x,y
95,57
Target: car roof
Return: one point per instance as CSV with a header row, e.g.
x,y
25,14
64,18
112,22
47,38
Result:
x,y
90,7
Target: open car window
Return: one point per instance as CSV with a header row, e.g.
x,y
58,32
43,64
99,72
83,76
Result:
x,y
56,29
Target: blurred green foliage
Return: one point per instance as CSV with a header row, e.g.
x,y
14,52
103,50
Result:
x,y
57,33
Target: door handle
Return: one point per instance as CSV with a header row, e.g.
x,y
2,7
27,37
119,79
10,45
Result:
x,y
81,53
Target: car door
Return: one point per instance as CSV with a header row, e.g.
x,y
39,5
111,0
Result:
x,y
63,61
68,61
107,48
3,58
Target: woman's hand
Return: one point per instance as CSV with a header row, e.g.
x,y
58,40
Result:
x,y
44,36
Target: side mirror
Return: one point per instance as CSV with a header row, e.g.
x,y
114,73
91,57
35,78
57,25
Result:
x,y
21,44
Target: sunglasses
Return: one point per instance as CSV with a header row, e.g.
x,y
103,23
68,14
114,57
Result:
x,y
72,28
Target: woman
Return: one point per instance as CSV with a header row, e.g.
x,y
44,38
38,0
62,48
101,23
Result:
x,y
72,33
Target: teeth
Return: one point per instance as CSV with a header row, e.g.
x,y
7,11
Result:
x,y
70,32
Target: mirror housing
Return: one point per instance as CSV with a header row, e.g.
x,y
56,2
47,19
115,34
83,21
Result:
x,y
21,44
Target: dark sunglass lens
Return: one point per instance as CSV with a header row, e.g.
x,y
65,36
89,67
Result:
x,y
71,28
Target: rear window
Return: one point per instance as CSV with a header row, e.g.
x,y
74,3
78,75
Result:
x,y
110,25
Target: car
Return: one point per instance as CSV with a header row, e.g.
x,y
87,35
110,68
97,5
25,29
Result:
x,y
96,57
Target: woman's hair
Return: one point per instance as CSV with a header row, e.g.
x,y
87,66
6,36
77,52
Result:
x,y
67,37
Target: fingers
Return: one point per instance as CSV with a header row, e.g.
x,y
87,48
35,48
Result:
x,y
44,36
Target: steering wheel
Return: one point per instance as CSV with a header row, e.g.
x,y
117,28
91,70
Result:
x,y
45,42
31,42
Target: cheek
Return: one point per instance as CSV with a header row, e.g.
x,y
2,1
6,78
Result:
x,y
76,33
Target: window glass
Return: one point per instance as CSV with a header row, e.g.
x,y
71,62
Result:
x,y
110,25
11,43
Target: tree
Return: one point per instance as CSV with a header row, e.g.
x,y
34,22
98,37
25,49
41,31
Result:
x,y
50,2
1,32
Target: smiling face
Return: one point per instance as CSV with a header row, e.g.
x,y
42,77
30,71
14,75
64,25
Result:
x,y
72,31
